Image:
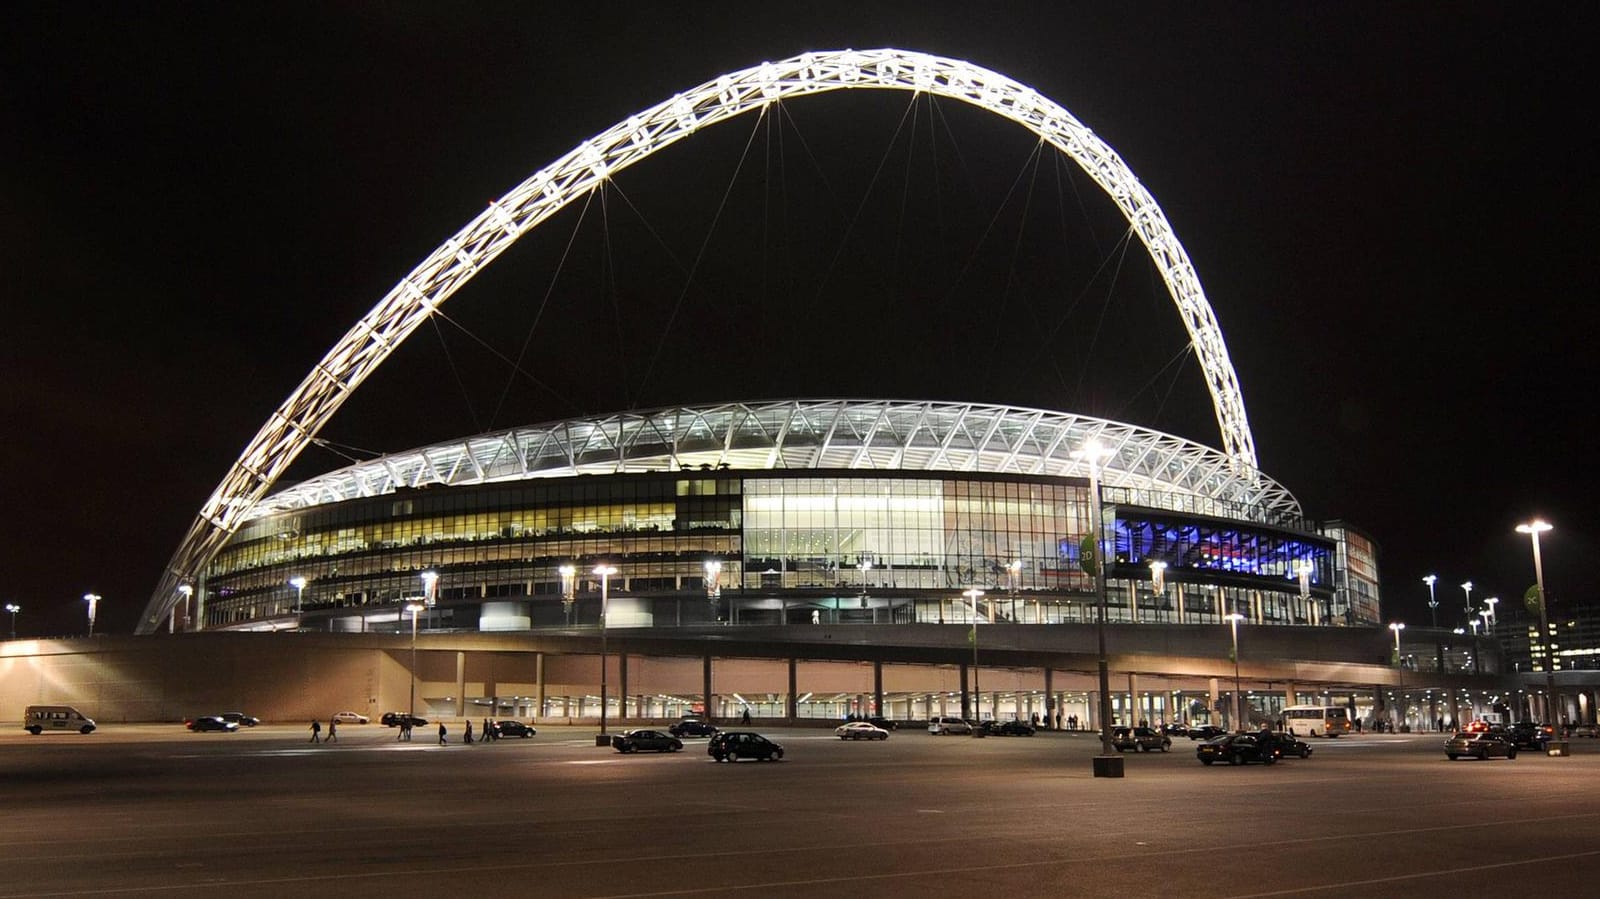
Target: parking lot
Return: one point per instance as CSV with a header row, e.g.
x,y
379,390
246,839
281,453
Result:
x,y
263,812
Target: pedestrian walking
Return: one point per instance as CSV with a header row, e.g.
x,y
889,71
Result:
x,y
441,733
467,739
316,731
745,718
333,730
488,731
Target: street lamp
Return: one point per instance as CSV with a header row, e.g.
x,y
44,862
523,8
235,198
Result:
x,y
1302,570
298,582
187,591
1400,667
1092,453
1433,601
1238,692
569,589
13,608
713,569
93,599
415,608
974,594
1158,586
1491,602
605,572
1013,580
1533,529
1468,588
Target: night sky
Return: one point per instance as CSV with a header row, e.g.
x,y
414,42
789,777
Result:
x,y
1391,208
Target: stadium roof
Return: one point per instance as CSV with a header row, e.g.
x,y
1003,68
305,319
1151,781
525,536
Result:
x,y
1161,470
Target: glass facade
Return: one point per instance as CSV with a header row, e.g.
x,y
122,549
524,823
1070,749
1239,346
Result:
x,y
807,547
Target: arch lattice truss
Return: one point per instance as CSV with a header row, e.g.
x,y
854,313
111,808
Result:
x,y
448,268
1159,470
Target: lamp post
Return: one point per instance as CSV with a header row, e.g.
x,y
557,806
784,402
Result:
x,y
1302,571
1467,588
569,589
1493,618
13,608
187,591
1533,529
1399,665
974,594
415,608
1433,601
1092,453
93,599
1238,693
1158,586
1013,579
298,582
605,572
713,568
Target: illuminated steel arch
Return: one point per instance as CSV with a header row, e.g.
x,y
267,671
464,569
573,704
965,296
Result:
x,y
291,428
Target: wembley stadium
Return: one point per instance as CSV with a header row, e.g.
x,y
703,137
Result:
x,y
781,513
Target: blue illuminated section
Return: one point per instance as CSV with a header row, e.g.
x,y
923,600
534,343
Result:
x,y
1214,546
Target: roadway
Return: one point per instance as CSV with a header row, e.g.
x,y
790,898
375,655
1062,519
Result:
x,y
155,810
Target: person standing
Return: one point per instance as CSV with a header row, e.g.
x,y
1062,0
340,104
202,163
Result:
x,y
745,719
333,730
441,733
316,731
468,738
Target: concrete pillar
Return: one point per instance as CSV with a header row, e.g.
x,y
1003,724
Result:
x,y
705,678
461,683
1135,707
877,688
1091,711
1050,705
1291,695
793,702
538,680
1211,687
1455,710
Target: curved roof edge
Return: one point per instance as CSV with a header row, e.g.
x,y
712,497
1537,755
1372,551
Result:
x,y
889,435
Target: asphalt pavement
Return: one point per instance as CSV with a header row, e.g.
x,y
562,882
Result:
x,y
156,810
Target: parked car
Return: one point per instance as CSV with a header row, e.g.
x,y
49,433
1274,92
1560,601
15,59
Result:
x,y
1529,735
1236,749
210,723
1175,730
885,723
1586,730
733,745
1143,739
1291,745
693,727
860,730
942,725
635,740
1012,728
510,728
240,718
1480,745
1205,732
395,719
350,718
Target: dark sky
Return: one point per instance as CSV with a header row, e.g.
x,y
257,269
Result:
x,y
1390,207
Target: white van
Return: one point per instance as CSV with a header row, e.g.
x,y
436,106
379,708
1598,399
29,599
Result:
x,y
942,725
40,718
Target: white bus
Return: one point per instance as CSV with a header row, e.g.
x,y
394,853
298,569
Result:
x,y
1316,720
